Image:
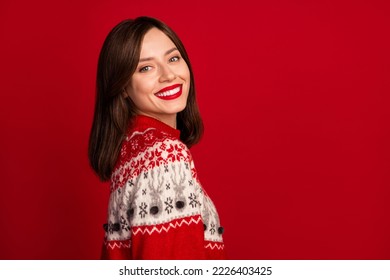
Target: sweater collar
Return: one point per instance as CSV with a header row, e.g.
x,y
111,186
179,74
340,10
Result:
x,y
141,121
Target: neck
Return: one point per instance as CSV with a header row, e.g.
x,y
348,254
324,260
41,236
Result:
x,y
171,121
167,119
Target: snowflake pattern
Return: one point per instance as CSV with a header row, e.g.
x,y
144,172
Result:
x,y
149,154
193,200
169,205
124,225
148,136
175,152
134,144
143,211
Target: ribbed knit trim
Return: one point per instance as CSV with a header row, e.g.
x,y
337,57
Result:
x,y
145,122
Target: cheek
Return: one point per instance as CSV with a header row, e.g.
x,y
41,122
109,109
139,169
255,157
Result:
x,y
187,72
188,77
140,87
185,75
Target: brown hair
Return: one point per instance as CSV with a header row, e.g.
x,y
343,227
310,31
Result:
x,y
118,60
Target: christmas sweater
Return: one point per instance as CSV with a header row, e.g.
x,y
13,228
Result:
x,y
157,206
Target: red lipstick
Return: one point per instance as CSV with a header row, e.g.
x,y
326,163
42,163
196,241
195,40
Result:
x,y
169,93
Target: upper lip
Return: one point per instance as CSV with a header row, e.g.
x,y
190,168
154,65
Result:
x,y
168,88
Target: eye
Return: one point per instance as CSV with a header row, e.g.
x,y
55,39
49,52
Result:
x,y
145,69
174,59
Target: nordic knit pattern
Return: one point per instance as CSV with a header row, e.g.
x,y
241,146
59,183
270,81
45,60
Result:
x,y
157,207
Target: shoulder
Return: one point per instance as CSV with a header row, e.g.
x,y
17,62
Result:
x,y
153,142
143,150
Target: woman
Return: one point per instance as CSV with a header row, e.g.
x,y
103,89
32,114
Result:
x,y
146,118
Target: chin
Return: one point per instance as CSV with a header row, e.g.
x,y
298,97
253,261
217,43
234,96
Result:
x,y
177,109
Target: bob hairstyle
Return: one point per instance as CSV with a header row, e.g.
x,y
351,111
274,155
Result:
x,y
114,111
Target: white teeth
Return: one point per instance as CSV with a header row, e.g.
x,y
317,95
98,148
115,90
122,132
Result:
x,y
169,92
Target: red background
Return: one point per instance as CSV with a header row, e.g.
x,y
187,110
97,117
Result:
x,y
295,100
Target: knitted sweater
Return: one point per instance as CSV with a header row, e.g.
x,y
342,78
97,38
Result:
x,y
157,207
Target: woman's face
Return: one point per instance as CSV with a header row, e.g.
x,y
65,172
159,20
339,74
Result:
x,y
160,85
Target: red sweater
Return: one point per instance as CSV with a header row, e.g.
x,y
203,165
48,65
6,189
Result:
x,y
157,207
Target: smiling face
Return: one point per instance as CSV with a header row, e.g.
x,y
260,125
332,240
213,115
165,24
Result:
x,y
160,84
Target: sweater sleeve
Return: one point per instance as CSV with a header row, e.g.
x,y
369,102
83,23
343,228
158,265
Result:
x,y
155,213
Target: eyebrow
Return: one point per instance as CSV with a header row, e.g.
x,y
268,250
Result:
x,y
151,58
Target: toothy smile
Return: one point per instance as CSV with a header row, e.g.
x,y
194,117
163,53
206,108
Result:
x,y
170,92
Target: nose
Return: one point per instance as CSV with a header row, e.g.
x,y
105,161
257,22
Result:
x,y
166,74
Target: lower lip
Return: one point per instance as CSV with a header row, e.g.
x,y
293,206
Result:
x,y
173,96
